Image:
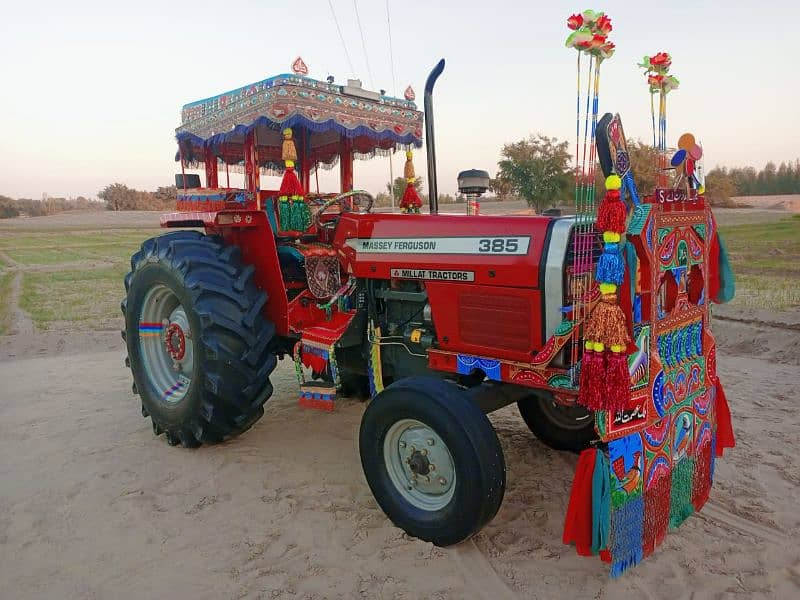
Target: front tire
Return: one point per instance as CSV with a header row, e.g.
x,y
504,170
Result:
x,y
569,428
432,460
198,346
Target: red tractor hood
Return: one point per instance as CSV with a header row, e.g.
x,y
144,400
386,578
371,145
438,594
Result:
x,y
493,250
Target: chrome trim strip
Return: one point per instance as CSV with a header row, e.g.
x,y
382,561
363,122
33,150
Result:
x,y
554,274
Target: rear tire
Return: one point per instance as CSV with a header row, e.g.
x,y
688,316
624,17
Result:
x,y
221,354
559,427
420,421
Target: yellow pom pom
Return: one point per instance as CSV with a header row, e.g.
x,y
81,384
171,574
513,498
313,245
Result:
x,y
589,345
598,347
287,133
289,163
608,288
613,182
616,348
610,236
409,154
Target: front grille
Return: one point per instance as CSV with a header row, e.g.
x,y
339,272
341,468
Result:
x,y
496,320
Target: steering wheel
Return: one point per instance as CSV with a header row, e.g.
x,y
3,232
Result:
x,y
357,197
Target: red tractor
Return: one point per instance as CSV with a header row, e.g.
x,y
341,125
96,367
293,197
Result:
x,y
441,319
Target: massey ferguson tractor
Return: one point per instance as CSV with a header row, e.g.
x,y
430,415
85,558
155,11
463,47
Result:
x,y
439,318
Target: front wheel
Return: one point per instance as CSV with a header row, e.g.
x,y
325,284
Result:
x,y
556,425
432,460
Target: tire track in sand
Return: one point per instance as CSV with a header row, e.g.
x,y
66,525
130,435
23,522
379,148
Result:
x,y
714,512
479,575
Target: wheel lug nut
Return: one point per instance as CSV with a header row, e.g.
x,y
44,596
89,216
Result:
x,y
424,452
432,467
442,481
431,442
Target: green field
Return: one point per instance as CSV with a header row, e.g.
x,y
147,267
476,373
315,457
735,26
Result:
x,y
73,298
36,249
86,292
766,262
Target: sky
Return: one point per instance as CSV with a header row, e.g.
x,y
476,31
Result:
x,y
91,92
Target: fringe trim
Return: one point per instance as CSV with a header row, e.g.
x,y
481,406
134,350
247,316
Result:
x,y
680,506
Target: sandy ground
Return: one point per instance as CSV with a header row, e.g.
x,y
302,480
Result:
x,y
92,505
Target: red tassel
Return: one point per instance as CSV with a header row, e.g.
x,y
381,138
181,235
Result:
x,y
701,479
410,198
725,438
612,214
578,522
617,382
656,513
290,184
591,389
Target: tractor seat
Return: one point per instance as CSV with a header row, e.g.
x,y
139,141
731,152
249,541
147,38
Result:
x,y
320,263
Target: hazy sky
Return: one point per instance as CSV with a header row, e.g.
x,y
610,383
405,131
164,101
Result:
x,y
91,91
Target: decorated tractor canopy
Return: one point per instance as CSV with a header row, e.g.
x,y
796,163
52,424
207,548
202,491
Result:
x,y
597,324
248,130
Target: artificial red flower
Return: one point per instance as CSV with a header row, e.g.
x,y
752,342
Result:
x,y
597,41
603,25
607,49
655,80
575,21
662,60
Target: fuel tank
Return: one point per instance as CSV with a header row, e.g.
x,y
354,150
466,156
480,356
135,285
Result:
x,y
494,283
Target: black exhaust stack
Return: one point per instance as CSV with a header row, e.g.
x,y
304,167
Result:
x,y
433,194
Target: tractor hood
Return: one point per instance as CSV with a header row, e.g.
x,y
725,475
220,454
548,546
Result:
x,y
493,250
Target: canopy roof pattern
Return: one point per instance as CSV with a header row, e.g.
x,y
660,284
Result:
x,y
324,111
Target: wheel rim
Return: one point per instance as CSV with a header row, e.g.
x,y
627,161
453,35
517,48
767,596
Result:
x,y
165,344
419,464
567,417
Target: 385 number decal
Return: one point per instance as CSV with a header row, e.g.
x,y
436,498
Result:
x,y
499,245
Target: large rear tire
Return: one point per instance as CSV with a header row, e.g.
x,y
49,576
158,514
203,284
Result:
x,y
198,346
432,460
560,427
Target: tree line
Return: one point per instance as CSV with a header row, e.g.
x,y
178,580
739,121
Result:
x,y
772,180
11,207
119,196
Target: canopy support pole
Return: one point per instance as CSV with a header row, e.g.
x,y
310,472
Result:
x,y
211,168
346,164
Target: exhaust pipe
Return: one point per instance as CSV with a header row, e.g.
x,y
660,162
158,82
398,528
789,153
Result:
x,y
430,146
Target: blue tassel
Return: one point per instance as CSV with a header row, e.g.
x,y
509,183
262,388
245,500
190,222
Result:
x,y
610,267
627,533
601,503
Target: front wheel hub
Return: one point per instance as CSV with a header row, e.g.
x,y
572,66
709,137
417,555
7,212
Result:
x,y
419,464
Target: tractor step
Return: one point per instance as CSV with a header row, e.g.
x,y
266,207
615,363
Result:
x,y
318,395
